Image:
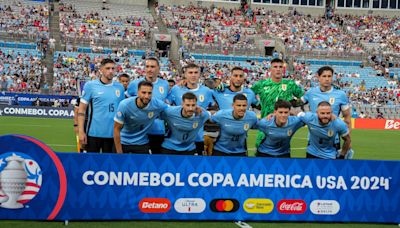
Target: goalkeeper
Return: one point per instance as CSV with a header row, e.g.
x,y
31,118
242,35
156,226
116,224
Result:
x,y
274,88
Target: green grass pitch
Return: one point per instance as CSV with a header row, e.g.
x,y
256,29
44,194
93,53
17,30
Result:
x,y
59,135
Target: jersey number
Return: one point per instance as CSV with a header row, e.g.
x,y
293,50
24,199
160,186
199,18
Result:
x,y
111,107
185,136
235,138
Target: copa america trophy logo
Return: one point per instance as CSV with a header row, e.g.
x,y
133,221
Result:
x,y
20,180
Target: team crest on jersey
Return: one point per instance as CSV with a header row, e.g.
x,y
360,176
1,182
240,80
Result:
x,y
330,133
201,98
246,127
195,125
289,132
161,89
117,93
331,100
284,87
150,115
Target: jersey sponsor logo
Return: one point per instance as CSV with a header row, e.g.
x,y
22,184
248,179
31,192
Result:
x,y
100,93
20,180
161,89
154,205
195,125
246,127
284,87
330,132
150,115
324,207
331,100
201,98
292,206
224,205
289,132
117,93
258,206
190,205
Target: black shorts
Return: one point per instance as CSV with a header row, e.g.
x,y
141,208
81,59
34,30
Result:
x,y
136,149
199,148
220,153
312,156
99,145
167,151
155,142
260,154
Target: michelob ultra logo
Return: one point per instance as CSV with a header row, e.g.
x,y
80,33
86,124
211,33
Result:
x,y
258,206
224,205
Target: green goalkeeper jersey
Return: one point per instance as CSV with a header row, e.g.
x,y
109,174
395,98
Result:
x,y
270,91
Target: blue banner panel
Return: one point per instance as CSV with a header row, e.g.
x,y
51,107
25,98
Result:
x,y
37,183
40,111
28,99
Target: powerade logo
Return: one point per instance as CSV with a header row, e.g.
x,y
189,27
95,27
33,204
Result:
x,y
224,205
190,205
154,205
258,206
325,207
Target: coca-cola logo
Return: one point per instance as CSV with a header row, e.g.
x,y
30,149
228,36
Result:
x,y
392,124
292,206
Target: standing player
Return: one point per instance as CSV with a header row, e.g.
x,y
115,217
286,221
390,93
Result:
x,y
102,96
203,94
323,130
272,89
134,118
325,92
160,91
184,126
224,97
234,124
278,131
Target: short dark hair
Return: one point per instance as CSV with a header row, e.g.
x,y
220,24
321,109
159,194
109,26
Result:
x,y
145,83
153,59
239,97
236,68
105,61
325,68
323,103
189,96
171,80
276,60
282,104
123,75
190,65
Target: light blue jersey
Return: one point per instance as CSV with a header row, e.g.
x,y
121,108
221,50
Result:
x,y
224,98
102,100
160,91
182,131
277,140
322,137
204,100
337,98
233,133
136,121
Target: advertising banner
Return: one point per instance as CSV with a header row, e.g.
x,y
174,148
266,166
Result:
x,y
44,112
29,99
381,124
37,183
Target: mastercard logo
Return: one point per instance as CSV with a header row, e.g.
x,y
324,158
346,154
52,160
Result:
x,y
224,205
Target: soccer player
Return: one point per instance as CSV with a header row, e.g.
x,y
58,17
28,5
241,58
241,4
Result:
x,y
272,89
234,124
184,126
124,80
160,91
102,96
203,94
279,130
322,131
134,118
325,92
224,97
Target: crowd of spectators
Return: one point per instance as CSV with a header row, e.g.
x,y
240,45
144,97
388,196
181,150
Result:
x,y
25,19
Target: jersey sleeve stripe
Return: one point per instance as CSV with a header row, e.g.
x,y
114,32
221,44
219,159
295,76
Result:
x,y
118,121
84,101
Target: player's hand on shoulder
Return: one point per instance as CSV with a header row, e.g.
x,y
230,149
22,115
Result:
x,y
182,83
270,116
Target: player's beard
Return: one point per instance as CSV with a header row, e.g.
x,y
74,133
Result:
x,y
145,102
324,121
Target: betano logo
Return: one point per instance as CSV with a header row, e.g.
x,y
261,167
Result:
x,y
258,206
154,205
224,205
